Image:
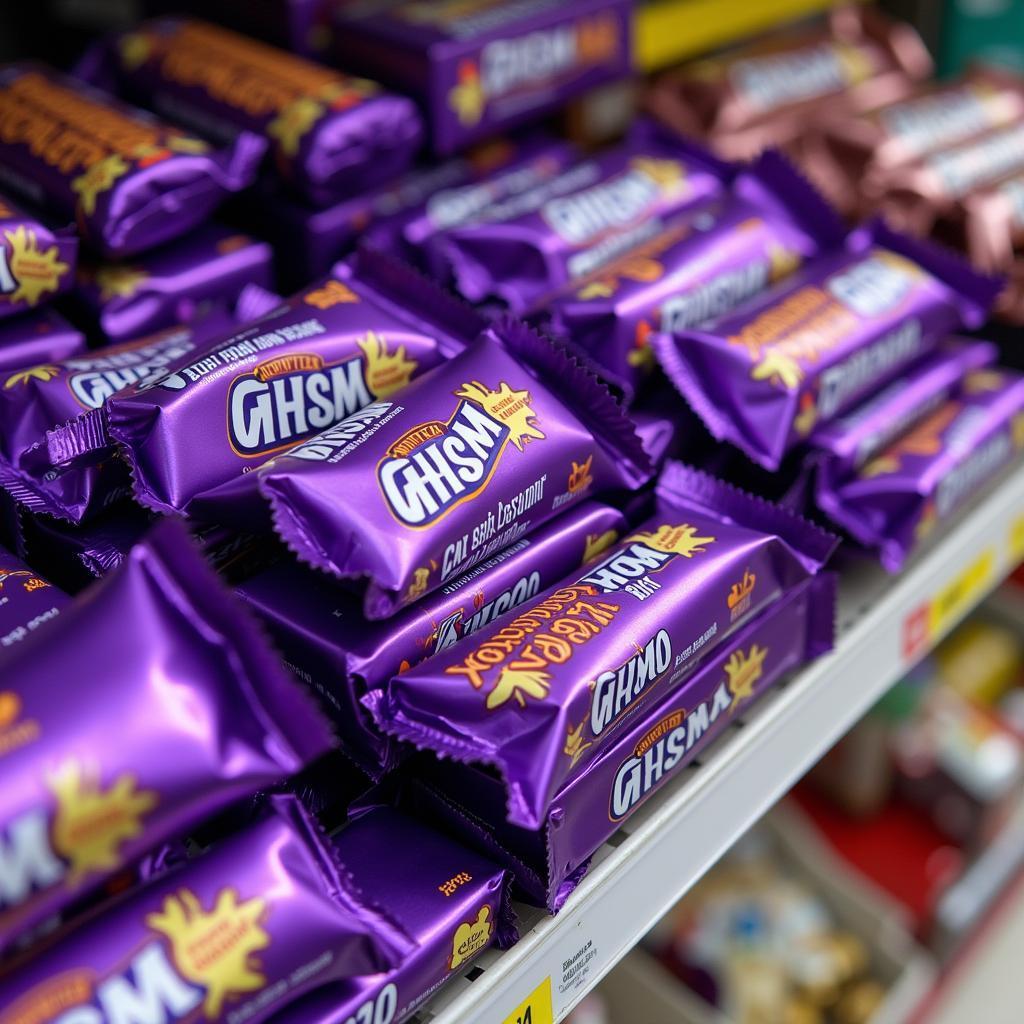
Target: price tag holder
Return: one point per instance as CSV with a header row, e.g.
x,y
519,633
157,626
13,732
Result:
x,y
535,1008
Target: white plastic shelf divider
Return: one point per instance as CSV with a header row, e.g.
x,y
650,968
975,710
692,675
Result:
x,y
885,625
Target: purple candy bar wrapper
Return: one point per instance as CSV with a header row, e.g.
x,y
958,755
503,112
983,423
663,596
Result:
x,y
27,601
540,694
202,713
40,337
330,134
895,501
849,442
359,335
484,67
37,398
36,262
321,631
801,354
504,436
453,906
700,266
128,181
175,284
580,221
650,751
259,921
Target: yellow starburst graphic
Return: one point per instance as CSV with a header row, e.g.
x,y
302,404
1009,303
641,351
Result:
x,y
215,948
507,406
293,122
778,368
669,175
41,373
596,543
470,937
98,178
118,280
91,822
36,271
676,540
517,685
574,743
743,671
386,372
603,289
467,96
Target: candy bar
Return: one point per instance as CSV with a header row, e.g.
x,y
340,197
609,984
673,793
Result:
x,y
412,492
700,266
484,67
262,920
523,250
173,285
357,336
200,709
128,181
765,94
763,377
539,695
898,498
330,134
36,262
27,601
320,628
40,337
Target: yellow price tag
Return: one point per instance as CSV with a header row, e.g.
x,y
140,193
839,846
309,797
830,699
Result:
x,y
962,592
535,1008
1017,540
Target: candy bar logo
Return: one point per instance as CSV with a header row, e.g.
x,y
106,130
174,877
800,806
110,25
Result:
x,y
27,272
714,297
981,464
332,443
667,745
617,203
196,962
766,83
470,938
741,594
935,122
454,628
876,284
437,465
616,691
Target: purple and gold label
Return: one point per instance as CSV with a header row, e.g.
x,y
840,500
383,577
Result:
x,y
29,273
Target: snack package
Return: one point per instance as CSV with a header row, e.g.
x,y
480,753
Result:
x,y
330,134
27,601
898,498
172,285
412,492
357,336
36,262
128,181
263,919
520,251
483,67
202,713
766,93
40,337
702,264
801,354
539,695
320,629
42,396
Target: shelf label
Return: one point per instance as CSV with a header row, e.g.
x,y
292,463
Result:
x,y
1017,540
926,623
535,1008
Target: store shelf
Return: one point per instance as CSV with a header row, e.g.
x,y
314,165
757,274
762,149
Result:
x,y
669,31
886,623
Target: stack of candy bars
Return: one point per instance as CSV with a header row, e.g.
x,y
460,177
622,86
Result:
x,y
381,568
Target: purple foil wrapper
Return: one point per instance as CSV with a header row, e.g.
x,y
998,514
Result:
x,y
40,337
359,335
128,181
27,601
330,134
895,501
263,919
173,285
487,68
651,750
453,906
202,713
321,631
504,436
801,354
703,264
36,262
540,694
523,250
